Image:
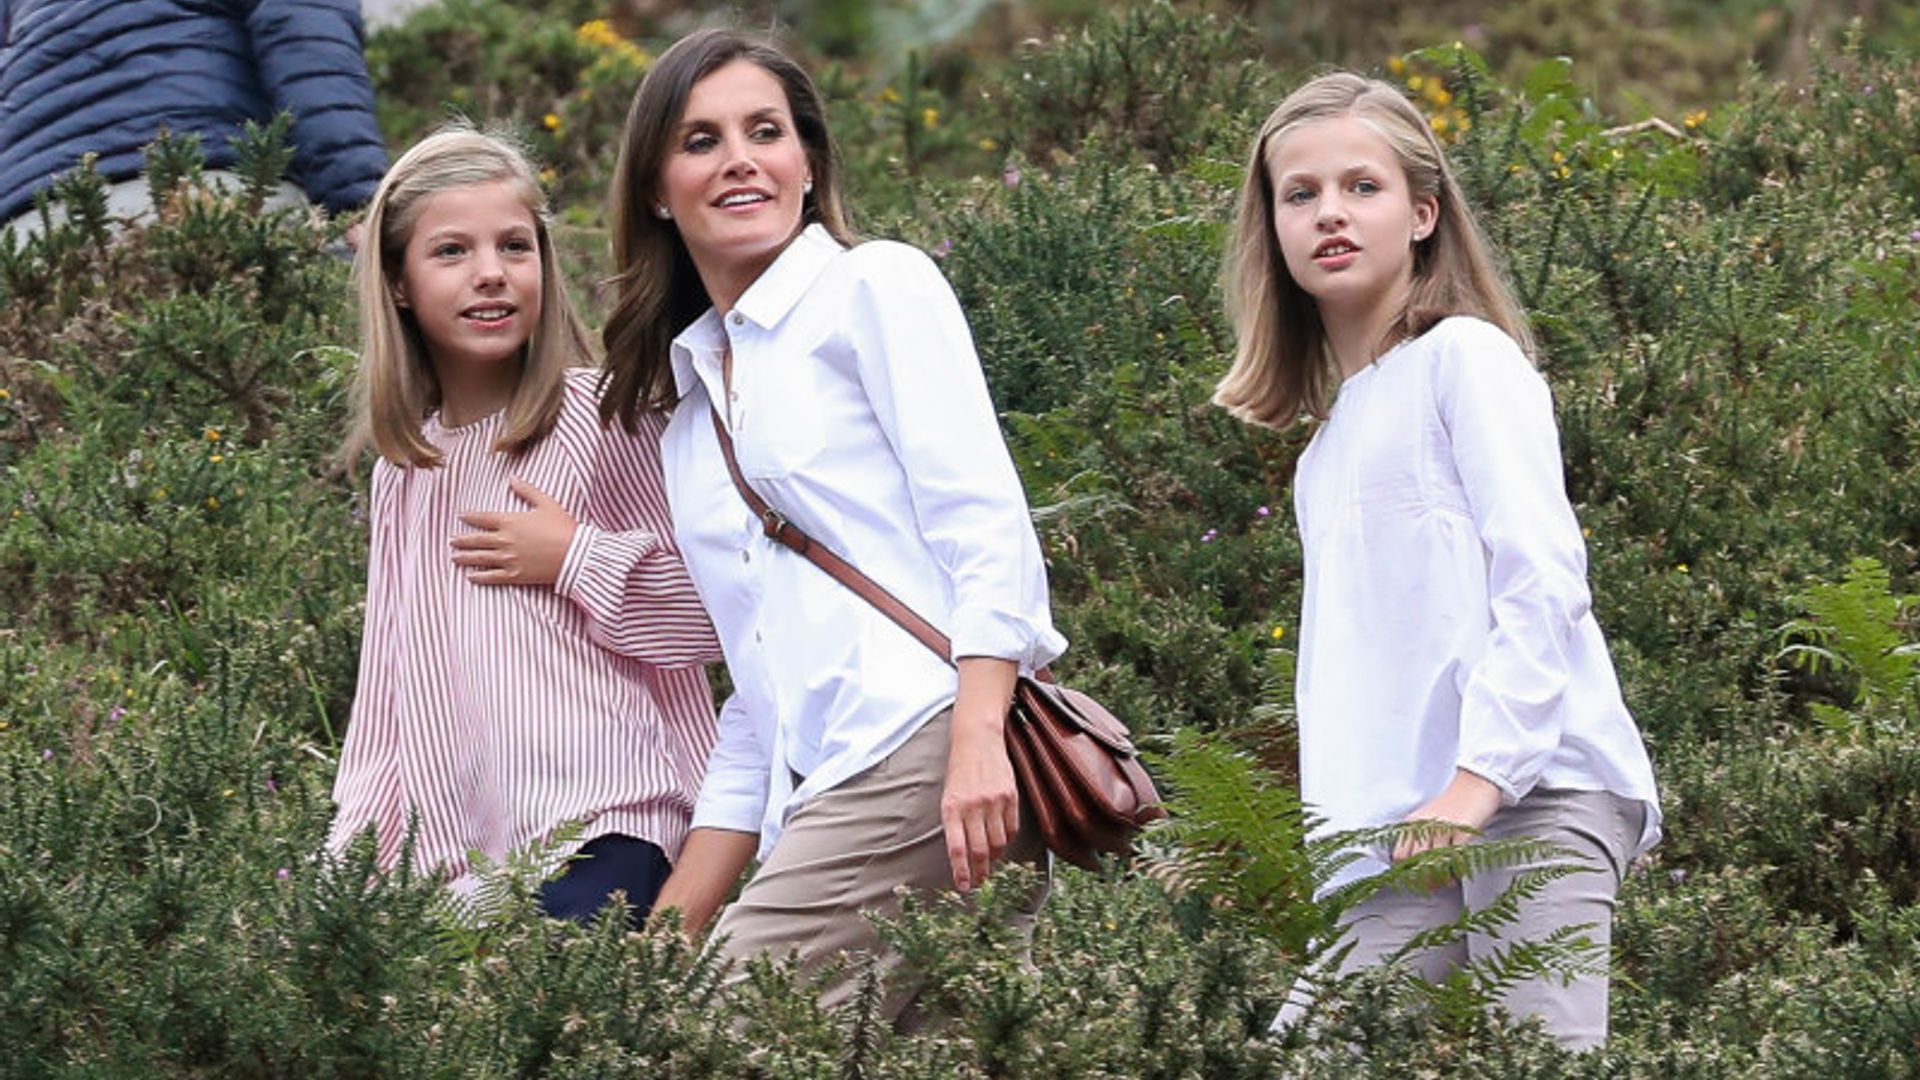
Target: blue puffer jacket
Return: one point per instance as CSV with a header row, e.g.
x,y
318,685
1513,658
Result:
x,y
105,75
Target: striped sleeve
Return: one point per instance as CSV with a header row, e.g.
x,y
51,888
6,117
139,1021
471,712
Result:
x,y
622,569
367,786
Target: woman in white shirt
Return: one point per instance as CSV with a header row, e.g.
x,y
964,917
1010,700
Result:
x,y
851,759
1450,668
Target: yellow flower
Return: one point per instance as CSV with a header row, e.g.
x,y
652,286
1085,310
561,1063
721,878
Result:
x,y
1437,93
1416,83
1682,567
552,122
930,118
1279,632
1695,119
159,493
1558,157
890,95
547,177
217,458
1562,173
1516,168
1439,123
1586,532
1396,66
213,434
4,396
227,794
598,32
989,145
213,502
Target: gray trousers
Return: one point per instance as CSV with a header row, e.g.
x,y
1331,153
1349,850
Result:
x,y
846,852
1600,828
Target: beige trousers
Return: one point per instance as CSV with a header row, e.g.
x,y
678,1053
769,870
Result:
x,y
1600,828
845,853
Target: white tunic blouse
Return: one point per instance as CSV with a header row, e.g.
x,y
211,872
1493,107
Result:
x,y
1445,622
858,409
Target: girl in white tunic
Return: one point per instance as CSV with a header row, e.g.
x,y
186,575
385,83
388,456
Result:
x,y
1450,666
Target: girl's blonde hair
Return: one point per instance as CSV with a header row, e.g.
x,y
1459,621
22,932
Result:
x,y
396,388
1283,368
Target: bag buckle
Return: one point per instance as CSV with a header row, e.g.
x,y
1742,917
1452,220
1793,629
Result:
x,y
773,523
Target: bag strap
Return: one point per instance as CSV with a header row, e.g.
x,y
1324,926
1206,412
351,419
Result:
x,y
791,536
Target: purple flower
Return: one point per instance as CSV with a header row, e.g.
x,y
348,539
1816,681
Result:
x,y
1261,511
283,873
271,786
1914,236
1010,176
46,755
1209,536
945,248
114,714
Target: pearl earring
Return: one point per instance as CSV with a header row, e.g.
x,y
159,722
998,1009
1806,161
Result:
x,y
660,211
806,188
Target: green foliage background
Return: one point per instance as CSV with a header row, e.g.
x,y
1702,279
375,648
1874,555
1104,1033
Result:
x,y
1729,305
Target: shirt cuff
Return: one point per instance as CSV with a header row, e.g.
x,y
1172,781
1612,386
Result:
x,y
733,812
1509,792
579,552
1006,637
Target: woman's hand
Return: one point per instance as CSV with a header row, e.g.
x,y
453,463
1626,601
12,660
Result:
x,y
525,548
980,807
1469,800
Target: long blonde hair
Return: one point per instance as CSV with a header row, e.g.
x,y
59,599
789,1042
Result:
x,y
1283,368
657,290
395,388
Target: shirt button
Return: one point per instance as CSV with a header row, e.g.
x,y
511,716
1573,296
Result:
x,y
745,555
756,637
738,318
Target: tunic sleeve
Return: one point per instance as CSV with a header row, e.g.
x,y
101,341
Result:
x,y
1506,448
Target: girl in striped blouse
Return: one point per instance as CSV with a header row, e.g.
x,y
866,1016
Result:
x,y
533,647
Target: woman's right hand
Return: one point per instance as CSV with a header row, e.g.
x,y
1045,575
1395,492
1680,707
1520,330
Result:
x,y
980,806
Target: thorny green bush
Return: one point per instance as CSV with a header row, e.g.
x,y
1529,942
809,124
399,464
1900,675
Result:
x,y
1727,309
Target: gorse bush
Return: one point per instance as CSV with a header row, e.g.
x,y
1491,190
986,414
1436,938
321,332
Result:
x,y
1726,305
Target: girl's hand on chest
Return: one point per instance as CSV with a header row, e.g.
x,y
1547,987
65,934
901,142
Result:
x,y
524,547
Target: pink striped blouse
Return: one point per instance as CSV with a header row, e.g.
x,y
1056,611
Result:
x,y
496,712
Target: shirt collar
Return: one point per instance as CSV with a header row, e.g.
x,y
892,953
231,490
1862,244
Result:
x,y
765,303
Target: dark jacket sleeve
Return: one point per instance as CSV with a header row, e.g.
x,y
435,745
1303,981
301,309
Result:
x,y
309,55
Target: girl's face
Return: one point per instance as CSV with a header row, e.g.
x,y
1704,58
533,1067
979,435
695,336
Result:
x,y
471,276
735,176
1345,217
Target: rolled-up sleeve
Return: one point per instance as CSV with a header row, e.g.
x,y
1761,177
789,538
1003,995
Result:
x,y
921,375
1499,418
734,795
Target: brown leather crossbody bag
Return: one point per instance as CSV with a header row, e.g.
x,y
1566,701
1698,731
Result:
x,y
1077,769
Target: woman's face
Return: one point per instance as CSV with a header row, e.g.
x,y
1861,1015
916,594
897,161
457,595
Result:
x,y
735,177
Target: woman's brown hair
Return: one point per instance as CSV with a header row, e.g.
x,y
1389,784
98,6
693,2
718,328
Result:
x,y
657,291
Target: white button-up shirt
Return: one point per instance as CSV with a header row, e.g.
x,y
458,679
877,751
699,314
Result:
x,y
1445,622
858,410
